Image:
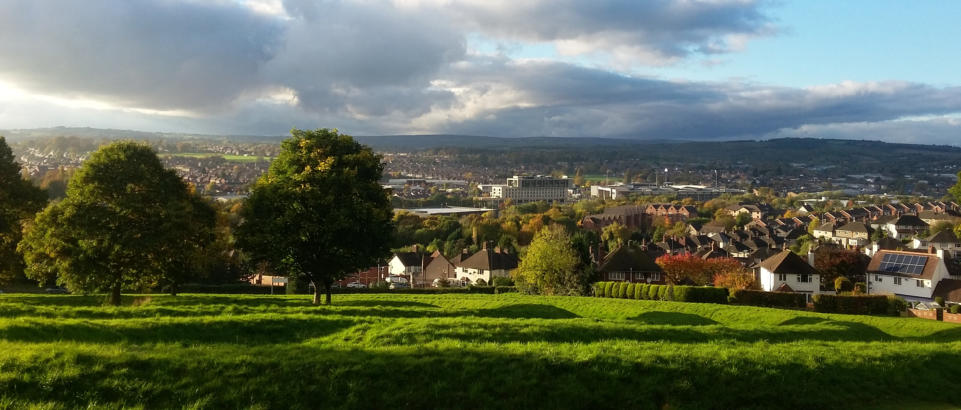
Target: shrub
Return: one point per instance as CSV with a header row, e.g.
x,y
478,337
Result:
x,y
502,281
843,284
597,288
630,291
860,288
608,286
505,289
480,282
638,287
663,292
652,292
443,283
955,309
769,299
859,304
700,294
645,291
896,305
480,289
939,300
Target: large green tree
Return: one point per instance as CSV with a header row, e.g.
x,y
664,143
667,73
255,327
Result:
x,y
19,201
319,212
552,266
126,223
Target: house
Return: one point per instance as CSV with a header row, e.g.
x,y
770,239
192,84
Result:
x,y
633,217
485,265
853,235
631,264
913,275
753,210
805,209
825,231
945,240
884,244
905,226
407,263
439,267
787,272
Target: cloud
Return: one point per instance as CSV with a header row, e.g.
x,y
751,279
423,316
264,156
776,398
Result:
x,y
406,66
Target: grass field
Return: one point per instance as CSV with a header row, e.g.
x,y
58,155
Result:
x,y
464,351
232,158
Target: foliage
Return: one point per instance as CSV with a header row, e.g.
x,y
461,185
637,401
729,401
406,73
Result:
x,y
551,265
690,269
843,284
939,300
502,281
319,211
126,223
19,200
832,263
940,226
954,309
734,280
955,190
615,235
851,304
699,294
768,299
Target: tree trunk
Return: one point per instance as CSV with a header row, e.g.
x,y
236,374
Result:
x,y
316,292
173,289
327,289
115,294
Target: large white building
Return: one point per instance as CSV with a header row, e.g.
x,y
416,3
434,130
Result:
x,y
787,272
913,275
523,189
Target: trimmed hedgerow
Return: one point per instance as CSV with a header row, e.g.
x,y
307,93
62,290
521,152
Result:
x,y
769,299
664,292
700,294
630,291
852,304
639,291
652,292
608,286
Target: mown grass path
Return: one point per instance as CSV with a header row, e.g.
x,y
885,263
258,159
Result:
x,y
463,351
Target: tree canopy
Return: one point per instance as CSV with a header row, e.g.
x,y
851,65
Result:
x,y
552,266
19,201
319,211
126,223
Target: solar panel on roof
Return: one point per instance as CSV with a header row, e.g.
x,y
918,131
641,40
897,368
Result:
x,y
900,263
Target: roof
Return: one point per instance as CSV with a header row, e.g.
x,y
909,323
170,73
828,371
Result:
x,y
624,210
825,227
628,258
787,262
490,259
855,227
784,288
909,220
409,258
945,236
949,289
925,272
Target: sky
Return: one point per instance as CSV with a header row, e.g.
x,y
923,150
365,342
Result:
x,y
658,69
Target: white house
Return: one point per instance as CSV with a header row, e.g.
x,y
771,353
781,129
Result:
x,y
906,226
407,263
913,275
787,272
945,240
486,264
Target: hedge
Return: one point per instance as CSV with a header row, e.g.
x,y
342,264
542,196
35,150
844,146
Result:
x,y
607,289
859,304
630,291
505,289
768,299
639,290
700,294
234,288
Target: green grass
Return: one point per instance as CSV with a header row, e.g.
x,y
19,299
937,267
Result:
x,y
231,158
463,351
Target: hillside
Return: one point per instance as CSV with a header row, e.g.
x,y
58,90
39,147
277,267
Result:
x,y
464,351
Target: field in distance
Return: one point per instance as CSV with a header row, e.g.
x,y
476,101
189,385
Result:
x,y
463,351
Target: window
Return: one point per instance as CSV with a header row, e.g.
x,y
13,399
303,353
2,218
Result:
x,y
897,280
803,278
877,278
655,276
919,283
615,275
782,277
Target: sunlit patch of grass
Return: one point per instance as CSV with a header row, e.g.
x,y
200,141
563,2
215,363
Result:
x,y
462,351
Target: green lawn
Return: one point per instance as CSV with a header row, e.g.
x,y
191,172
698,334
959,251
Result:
x,y
464,351
232,158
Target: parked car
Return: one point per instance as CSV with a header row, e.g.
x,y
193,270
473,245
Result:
x,y
356,285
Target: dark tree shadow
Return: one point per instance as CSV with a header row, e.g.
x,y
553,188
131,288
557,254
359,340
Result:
x,y
673,318
527,311
803,320
387,303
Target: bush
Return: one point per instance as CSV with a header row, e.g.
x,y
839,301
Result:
x,y
480,282
843,284
955,309
652,292
860,288
700,294
621,290
896,305
505,289
502,281
663,292
639,290
939,300
443,283
768,299
630,291
860,304
608,286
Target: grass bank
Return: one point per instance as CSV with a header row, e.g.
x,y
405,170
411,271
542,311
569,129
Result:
x,y
463,351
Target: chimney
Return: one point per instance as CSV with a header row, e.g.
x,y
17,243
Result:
x,y
810,257
931,250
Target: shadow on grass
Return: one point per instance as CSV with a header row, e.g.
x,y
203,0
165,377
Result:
x,y
673,318
244,331
526,311
803,320
386,303
300,377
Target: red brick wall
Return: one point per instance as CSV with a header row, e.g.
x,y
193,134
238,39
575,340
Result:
x,y
924,314
952,317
